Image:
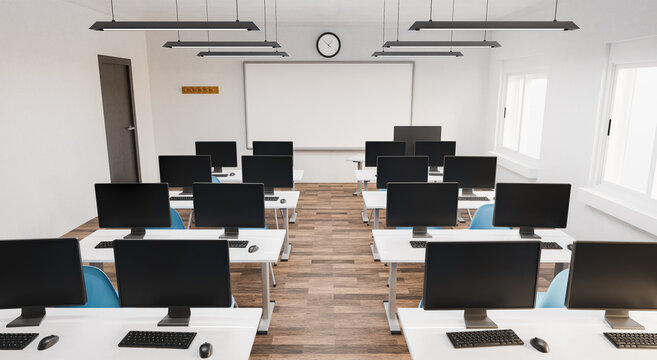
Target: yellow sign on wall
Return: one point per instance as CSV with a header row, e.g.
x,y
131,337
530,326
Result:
x,y
200,89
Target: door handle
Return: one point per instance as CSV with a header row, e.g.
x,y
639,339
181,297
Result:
x,y
130,128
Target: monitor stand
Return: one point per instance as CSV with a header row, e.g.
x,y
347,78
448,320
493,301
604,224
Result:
x,y
420,232
177,316
528,233
30,316
269,191
136,233
187,190
467,192
217,169
433,168
620,319
478,319
230,233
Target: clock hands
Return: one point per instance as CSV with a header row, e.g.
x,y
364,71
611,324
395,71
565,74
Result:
x,y
327,43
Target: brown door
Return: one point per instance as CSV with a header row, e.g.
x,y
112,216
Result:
x,y
120,124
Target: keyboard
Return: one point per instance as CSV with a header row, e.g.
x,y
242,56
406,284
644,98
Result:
x,y
549,245
473,198
220,175
435,174
237,243
633,340
418,244
16,341
158,339
271,198
181,198
466,339
104,245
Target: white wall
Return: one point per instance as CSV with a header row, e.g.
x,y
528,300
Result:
x,y
576,66
450,92
52,134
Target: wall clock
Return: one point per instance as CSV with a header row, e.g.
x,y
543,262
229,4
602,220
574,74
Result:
x,y
328,44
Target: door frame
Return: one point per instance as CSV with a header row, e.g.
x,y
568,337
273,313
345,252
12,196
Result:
x,y
104,59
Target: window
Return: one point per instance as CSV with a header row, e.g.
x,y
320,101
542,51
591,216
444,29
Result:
x,y
522,118
631,150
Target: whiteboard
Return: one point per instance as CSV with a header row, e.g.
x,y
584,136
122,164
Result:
x,y
326,106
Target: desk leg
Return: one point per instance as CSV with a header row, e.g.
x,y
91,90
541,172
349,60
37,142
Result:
x,y
364,212
559,267
287,248
391,305
459,217
293,217
376,219
189,220
267,304
375,252
359,166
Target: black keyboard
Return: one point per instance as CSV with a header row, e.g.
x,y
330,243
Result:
x,y
105,245
435,174
271,198
418,244
466,339
237,243
158,339
550,245
473,198
220,175
181,198
16,341
633,340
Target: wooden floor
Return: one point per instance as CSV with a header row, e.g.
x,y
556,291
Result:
x,y
329,294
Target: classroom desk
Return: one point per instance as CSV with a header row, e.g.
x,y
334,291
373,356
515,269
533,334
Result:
x,y
291,200
269,243
393,247
358,160
376,200
369,175
93,333
570,334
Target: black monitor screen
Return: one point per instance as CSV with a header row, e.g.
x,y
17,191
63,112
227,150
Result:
x,y
273,171
230,205
412,134
422,204
613,275
531,205
470,171
273,148
401,169
222,153
184,170
167,273
133,205
374,149
481,275
435,150
43,272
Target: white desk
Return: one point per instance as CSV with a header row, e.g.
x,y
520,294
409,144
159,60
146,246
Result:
x,y
291,200
570,334
269,243
358,160
393,247
95,333
377,200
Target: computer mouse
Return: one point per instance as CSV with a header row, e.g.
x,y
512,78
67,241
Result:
x,y
47,342
283,201
205,350
231,174
253,248
570,247
540,345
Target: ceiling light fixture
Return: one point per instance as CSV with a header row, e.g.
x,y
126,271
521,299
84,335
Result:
x,y
242,54
417,53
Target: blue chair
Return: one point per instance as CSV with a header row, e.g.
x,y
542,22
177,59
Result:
x,y
483,218
215,180
555,296
420,305
100,291
176,221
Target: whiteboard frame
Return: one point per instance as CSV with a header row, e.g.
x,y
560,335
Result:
x,y
246,111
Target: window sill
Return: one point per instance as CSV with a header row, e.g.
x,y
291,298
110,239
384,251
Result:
x,y
521,167
642,216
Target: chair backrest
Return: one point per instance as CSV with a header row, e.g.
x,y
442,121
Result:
x,y
100,291
176,221
483,218
555,297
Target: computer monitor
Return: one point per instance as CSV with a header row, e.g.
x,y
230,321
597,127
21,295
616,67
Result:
x,y
412,134
436,151
531,205
185,170
470,172
222,153
374,149
176,274
284,148
229,206
134,206
273,171
39,273
478,275
421,204
615,276
401,169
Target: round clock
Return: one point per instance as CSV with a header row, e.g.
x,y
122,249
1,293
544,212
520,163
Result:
x,y
328,44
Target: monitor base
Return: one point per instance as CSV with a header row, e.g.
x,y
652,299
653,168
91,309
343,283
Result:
x,y
421,232
620,319
136,234
186,191
230,233
30,316
478,319
217,169
177,316
433,168
528,233
467,192
269,191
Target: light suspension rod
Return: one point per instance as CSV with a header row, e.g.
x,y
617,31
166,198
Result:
x,y
494,25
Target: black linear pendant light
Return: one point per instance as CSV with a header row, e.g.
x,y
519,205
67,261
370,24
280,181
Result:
x,y
384,53
496,25
172,25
